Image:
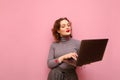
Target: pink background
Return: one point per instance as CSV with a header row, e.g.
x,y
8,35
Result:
x,y
25,36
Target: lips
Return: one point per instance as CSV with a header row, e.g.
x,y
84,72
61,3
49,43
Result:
x,y
67,30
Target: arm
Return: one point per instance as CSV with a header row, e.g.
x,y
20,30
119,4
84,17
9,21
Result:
x,y
52,62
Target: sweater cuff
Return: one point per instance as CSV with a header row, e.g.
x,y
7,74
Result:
x,y
57,61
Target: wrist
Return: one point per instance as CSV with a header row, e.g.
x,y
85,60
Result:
x,y
60,59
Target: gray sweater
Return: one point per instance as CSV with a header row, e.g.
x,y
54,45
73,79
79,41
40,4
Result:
x,y
66,45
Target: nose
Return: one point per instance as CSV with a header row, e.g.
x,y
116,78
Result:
x,y
67,26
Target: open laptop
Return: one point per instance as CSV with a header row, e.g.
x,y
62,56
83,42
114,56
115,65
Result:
x,y
91,50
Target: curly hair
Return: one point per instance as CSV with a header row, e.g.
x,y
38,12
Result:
x,y
56,27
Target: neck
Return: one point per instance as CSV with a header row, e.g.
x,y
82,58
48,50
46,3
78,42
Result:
x,y
65,38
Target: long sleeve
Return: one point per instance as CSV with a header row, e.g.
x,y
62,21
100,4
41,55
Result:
x,y
52,61
58,49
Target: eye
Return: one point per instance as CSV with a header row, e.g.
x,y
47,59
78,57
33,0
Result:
x,y
63,26
69,25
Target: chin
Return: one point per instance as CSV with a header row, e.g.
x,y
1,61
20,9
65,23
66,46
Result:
x,y
67,35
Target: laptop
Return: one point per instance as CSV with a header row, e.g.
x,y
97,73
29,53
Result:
x,y
91,50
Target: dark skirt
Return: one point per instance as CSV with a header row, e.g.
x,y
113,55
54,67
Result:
x,y
62,74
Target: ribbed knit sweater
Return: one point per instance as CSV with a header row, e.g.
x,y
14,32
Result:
x,y
65,46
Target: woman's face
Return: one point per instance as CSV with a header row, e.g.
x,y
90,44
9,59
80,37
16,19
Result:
x,y
65,28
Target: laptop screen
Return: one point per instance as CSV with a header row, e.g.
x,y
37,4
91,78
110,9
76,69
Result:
x,y
91,50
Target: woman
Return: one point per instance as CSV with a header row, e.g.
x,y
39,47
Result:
x,y
64,47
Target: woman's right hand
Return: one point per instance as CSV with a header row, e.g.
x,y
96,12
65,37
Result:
x,y
68,56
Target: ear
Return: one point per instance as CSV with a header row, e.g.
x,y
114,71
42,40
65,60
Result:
x,y
58,31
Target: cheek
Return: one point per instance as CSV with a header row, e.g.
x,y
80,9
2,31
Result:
x,y
63,30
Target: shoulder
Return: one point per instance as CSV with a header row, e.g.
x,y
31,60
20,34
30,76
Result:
x,y
53,44
76,42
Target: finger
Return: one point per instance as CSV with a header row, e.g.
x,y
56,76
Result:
x,y
74,58
75,55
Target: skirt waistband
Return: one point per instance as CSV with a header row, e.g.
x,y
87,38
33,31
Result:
x,y
66,70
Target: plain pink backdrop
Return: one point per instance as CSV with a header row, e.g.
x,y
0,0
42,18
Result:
x,y
25,36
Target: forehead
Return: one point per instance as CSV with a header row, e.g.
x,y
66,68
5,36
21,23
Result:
x,y
64,22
